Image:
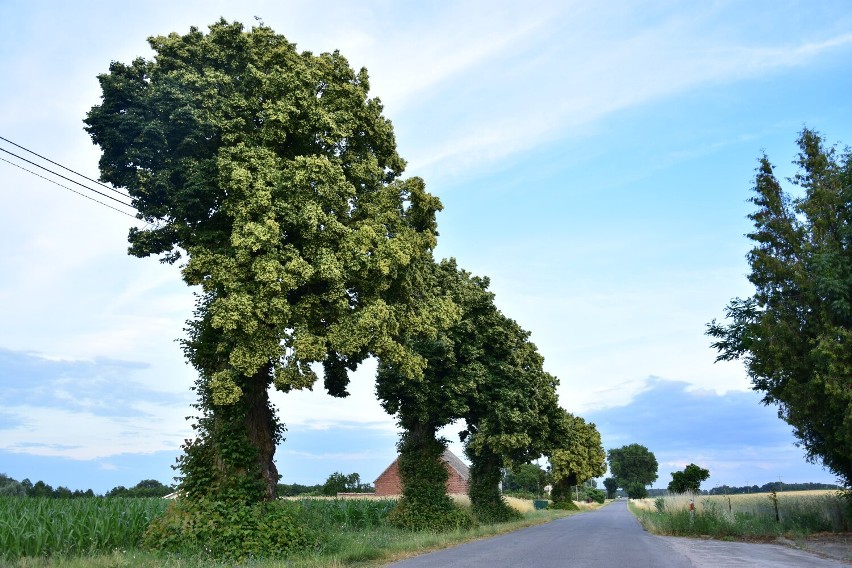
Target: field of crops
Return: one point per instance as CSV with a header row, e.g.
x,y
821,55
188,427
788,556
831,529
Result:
x,y
92,531
756,514
40,526
44,527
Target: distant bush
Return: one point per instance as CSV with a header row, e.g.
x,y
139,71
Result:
x,y
145,488
566,505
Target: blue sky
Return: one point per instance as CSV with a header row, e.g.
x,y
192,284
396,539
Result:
x,y
594,160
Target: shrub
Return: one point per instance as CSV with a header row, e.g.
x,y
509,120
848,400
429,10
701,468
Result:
x,y
430,516
565,505
231,531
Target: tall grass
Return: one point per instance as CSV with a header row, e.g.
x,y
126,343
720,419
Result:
x,y
750,515
38,527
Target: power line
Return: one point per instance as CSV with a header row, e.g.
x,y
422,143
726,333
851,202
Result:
x,y
64,177
69,189
65,168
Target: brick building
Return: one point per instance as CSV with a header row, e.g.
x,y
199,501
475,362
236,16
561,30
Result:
x,y
388,483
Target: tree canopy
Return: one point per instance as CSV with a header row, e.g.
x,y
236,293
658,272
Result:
x,y
689,479
794,334
576,458
277,177
634,467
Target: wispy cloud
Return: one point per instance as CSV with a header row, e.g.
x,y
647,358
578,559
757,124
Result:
x,y
593,67
85,409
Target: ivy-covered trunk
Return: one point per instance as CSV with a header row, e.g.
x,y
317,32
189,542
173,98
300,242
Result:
x,y
485,497
232,458
425,504
423,474
262,429
561,491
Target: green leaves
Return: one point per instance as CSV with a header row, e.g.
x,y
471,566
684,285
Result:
x,y
581,456
688,480
276,174
633,466
794,332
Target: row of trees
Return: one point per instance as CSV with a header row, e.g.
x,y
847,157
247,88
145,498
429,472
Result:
x,y
277,178
26,488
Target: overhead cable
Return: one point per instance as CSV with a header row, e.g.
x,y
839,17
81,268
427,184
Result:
x,y
64,167
70,189
84,186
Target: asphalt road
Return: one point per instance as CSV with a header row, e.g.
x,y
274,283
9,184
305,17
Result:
x,y
610,537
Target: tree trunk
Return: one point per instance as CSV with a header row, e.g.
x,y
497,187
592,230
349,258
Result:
x,y
262,428
425,505
485,497
421,469
232,457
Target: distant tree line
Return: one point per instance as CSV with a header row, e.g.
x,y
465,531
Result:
x,y
26,488
765,488
769,487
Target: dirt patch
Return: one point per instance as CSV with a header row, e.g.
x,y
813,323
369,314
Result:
x,y
837,546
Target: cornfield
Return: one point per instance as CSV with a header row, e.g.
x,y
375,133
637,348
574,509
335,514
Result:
x,y
34,526
345,514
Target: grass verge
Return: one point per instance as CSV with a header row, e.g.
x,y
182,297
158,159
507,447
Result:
x,y
745,517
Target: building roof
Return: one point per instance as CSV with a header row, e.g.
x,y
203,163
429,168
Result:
x,y
455,462
449,458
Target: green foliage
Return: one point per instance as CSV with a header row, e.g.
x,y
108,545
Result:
x,y
636,490
277,175
688,480
564,504
528,478
339,483
596,495
579,455
330,515
10,487
145,488
486,501
231,531
633,466
436,517
223,463
42,526
296,489
425,504
795,333
480,367
611,485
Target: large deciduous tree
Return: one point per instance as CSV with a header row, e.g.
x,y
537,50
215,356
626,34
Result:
x,y
484,369
277,177
795,333
689,479
634,467
575,458
611,485
511,408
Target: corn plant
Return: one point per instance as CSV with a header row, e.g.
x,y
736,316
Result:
x,y
38,527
